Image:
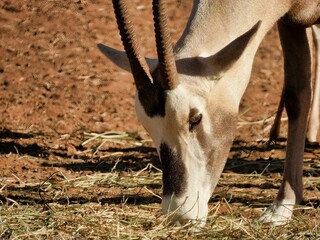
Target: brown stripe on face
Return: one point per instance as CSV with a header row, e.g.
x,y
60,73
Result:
x,y
173,171
218,145
153,100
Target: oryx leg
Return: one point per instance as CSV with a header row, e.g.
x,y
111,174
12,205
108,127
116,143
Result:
x,y
275,129
314,117
297,93
313,125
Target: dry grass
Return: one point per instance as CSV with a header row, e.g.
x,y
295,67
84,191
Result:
x,y
128,208
139,221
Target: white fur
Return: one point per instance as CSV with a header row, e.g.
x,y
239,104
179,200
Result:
x,y
279,212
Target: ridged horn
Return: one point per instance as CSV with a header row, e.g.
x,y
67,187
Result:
x,y
167,66
139,67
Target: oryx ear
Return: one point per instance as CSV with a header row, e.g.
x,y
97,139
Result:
x,y
120,58
230,54
214,66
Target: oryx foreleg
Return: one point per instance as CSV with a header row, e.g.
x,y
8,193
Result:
x,y
297,94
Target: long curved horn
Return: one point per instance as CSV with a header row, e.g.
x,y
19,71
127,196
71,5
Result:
x,y
139,67
167,66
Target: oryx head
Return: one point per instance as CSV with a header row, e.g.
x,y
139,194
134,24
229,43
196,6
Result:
x,y
186,107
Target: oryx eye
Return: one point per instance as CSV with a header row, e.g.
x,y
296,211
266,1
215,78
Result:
x,y
195,118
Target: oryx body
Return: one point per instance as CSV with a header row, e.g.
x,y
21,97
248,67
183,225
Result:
x,y
188,100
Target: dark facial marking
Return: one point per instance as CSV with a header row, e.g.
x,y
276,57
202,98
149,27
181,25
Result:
x,y
153,100
224,126
173,171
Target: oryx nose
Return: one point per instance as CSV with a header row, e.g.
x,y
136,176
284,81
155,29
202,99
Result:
x,y
178,219
181,211
182,220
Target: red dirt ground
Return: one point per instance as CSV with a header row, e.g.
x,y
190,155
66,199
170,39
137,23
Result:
x,y
55,85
